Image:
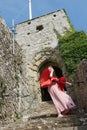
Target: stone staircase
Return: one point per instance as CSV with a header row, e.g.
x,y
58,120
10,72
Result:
x,y
45,118
46,109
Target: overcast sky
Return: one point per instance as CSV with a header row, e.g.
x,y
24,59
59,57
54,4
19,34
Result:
x,y
18,10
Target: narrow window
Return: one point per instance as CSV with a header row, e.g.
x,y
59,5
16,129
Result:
x,y
39,28
29,22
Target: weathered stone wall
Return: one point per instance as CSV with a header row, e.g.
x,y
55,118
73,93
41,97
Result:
x,y
9,69
37,34
39,45
81,85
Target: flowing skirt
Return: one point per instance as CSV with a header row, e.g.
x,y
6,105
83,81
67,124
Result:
x,y
62,101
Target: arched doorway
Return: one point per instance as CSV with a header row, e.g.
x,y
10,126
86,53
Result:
x,y
44,91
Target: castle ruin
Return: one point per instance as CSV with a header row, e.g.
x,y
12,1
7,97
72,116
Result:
x,y
39,45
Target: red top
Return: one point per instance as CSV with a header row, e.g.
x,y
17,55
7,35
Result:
x,y
62,82
45,79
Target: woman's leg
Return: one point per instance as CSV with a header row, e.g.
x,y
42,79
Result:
x,y
52,91
62,101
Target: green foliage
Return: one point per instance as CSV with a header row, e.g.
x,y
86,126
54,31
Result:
x,y
17,116
17,60
17,63
71,26
58,35
73,48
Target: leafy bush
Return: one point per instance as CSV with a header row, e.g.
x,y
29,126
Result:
x,y
73,48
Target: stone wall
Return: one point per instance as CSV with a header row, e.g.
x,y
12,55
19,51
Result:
x,y
39,45
81,85
9,70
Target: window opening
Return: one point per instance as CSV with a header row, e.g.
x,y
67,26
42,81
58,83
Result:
x,y
54,15
29,22
28,33
39,28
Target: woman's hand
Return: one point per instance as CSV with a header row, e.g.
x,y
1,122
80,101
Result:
x,y
68,83
54,79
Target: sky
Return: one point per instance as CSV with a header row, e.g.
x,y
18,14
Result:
x,y
19,11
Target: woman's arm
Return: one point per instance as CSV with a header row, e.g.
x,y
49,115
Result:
x,y
54,78
46,84
68,83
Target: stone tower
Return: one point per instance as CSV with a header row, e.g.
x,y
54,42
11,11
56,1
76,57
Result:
x,y
39,44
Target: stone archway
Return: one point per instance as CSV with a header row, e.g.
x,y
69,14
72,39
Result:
x,y
40,61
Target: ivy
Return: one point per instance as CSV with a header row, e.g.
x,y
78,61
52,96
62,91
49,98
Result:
x,y
73,48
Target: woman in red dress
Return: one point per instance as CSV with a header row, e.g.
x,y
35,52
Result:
x,y
62,101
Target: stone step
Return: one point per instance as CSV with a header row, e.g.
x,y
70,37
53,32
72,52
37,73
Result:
x,y
70,122
45,109
46,118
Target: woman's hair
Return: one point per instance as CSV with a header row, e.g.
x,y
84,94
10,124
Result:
x,y
58,71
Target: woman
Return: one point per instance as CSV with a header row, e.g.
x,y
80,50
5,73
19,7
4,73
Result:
x,y
62,101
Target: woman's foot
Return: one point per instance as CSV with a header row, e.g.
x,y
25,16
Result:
x,y
60,115
65,112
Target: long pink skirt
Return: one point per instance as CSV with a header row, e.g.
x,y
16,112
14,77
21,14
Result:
x,y
62,101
